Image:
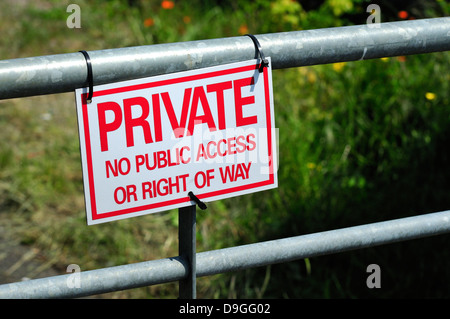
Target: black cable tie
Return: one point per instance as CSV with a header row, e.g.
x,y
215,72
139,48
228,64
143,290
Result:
x,y
90,77
197,201
264,61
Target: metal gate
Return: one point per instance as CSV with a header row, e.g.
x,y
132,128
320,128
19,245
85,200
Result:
x,y
33,76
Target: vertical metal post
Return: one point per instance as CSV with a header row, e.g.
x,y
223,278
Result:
x,y
187,250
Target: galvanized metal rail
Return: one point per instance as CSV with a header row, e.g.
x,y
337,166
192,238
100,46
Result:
x,y
232,259
67,72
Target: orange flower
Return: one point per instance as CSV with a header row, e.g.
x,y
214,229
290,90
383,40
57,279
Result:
x,y
186,19
403,14
401,58
149,22
243,29
167,4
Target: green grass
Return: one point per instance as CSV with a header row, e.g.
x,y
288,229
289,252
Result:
x,y
358,142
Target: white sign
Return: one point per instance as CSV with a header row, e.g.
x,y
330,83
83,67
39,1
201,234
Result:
x,y
146,143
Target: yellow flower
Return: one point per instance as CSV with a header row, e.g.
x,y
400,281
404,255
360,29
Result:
x,y
338,66
384,59
311,76
311,165
430,96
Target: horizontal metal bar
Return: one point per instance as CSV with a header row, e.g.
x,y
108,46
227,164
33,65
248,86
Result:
x,y
98,281
322,243
233,259
67,72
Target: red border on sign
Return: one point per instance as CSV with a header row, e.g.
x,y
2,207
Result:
x,y
186,199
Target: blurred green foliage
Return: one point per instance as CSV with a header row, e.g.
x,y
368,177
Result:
x,y
359,142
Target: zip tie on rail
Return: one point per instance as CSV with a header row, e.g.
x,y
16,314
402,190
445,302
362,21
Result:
x,y
264,61
90,77
194,198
